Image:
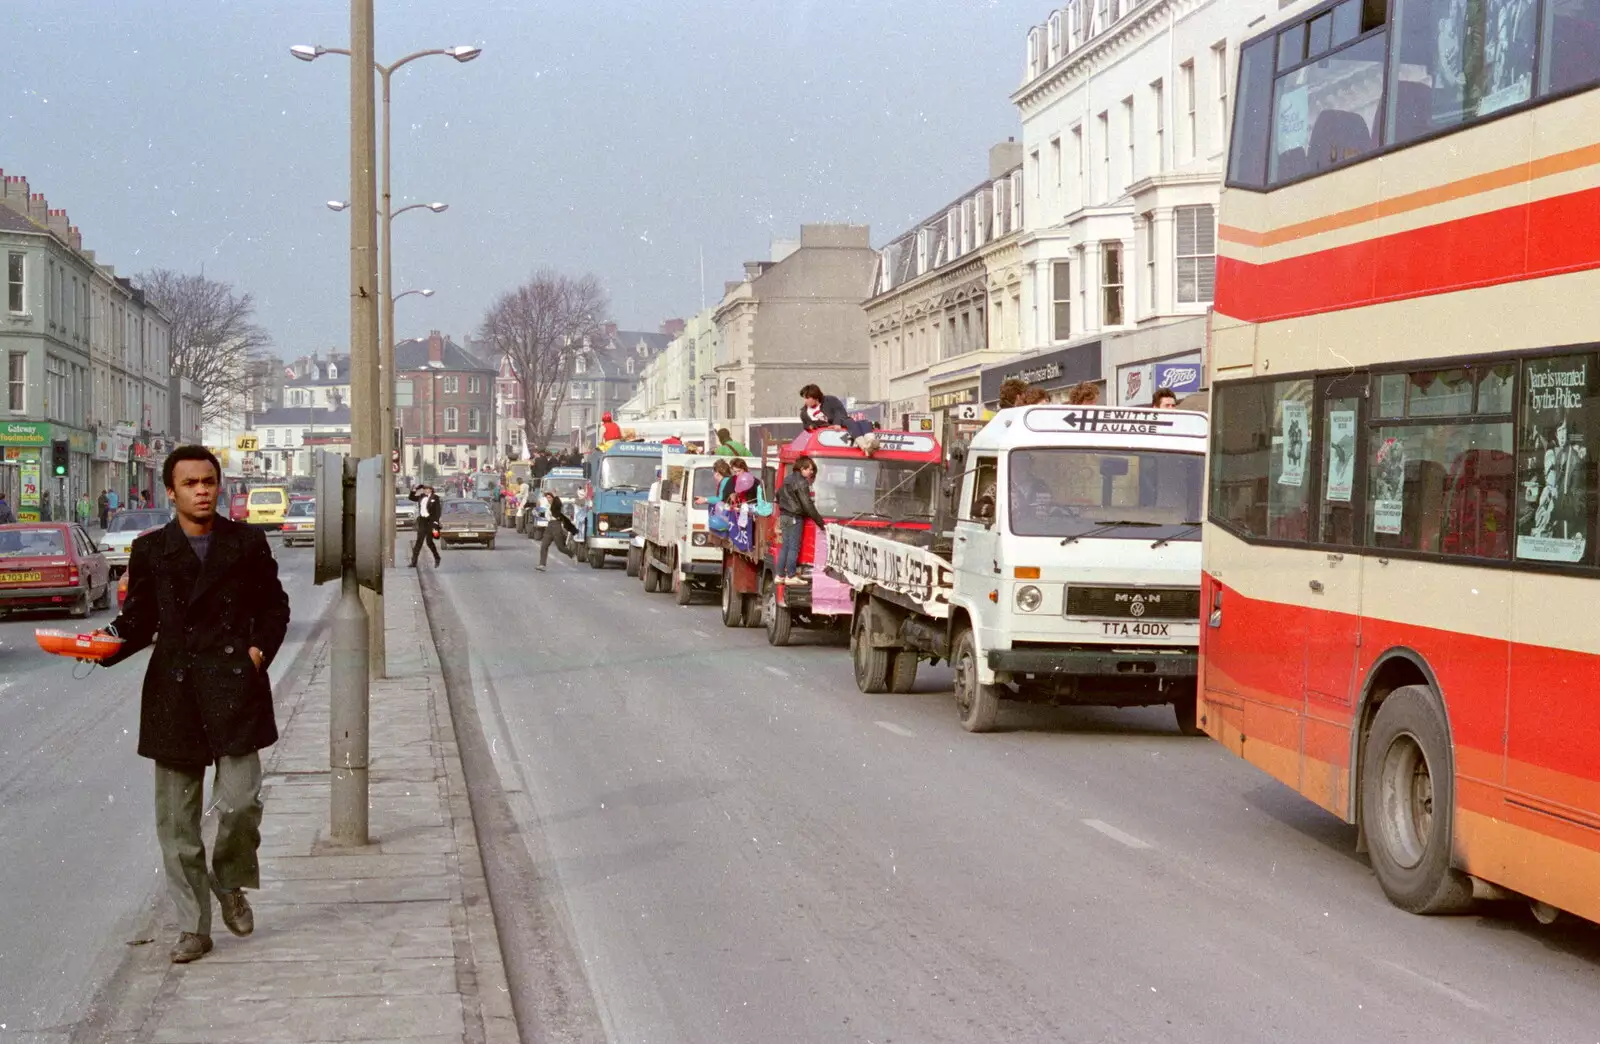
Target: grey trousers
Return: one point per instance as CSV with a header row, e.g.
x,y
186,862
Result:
x,y
236,801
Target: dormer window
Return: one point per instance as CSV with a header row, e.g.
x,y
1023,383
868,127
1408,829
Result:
x,y
580,365
333,372
629,367
1035,52
1054,54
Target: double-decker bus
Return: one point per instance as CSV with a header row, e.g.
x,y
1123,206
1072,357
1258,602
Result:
x,y
1401,562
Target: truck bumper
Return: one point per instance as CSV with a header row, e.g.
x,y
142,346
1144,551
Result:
x,y
702,568
1083,662
609,542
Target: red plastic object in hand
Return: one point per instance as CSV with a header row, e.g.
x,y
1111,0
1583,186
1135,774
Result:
x,y
77,646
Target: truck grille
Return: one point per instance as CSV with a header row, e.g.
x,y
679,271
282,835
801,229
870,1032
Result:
x,y
617,520
1134,603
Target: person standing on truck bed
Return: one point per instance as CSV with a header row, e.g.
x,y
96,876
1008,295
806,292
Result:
x,y
558,522
795,506
728,446
822,411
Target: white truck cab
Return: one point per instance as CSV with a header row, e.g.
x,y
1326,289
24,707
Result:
x,y
673,549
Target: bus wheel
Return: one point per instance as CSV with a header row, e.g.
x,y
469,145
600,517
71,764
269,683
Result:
x,y
634,555
1185,709
977,704
732,601
903,674
775,616
1408,804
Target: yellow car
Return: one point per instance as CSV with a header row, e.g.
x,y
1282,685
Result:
x,y
267,506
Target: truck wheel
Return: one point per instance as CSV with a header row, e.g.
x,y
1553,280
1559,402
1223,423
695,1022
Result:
x,y
977,704
752,609
634,555
871,664
903,673
732,601
682,590
597,558
652,578
1408,804
775,616
1184,709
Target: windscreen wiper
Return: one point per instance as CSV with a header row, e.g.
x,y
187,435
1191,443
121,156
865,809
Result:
x,y
1188,527
1101,527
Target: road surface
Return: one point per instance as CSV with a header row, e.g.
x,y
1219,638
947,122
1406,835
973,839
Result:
x,y
80,866
742,847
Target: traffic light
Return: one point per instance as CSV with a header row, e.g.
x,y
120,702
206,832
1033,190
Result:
x,y
60,450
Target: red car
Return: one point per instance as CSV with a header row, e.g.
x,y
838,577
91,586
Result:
x,y
52,565
239,507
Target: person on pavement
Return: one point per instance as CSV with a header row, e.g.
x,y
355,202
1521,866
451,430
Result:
x,y
1165,399
85,509
609,431
557,523
205,591
795,506
429,510
105,507
7,516
728,446
822,411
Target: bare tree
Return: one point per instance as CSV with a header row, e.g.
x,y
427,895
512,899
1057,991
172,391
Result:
x,y
540,327
215,340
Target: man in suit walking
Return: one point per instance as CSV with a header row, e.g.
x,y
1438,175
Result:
x,y
429,510
205,591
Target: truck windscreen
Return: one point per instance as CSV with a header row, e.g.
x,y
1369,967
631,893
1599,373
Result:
x,y
875,489
1150,494
706,482
620,472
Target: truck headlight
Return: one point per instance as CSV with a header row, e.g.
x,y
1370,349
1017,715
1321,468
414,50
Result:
x,y
604,525
699,540
1029,598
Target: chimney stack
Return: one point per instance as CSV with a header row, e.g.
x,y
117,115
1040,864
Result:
x,y
435,347
56,221
16,194
75,238
610,330
38,209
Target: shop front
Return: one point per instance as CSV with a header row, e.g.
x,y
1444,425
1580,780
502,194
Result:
x,y
1168,356
1055,371
26,478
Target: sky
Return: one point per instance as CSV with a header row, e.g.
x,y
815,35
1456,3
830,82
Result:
x,y
624,139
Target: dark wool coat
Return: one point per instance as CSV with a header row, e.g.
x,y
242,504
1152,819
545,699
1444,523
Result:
x,y
203,697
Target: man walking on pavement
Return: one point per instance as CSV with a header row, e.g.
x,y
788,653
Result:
x,y
558,518
205,591
105,508
429,510
6,514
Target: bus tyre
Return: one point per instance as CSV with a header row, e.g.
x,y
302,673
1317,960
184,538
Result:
x,y
634,555
977,704
903,673
775,616
1185,708
597,558
732,601
1408,804
872,664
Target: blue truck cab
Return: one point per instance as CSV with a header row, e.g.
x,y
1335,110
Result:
x,y
618,475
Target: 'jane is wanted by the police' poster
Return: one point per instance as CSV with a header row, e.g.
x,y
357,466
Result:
x,y
1554,472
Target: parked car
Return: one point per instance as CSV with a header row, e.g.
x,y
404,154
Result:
x,y
239,507
268,506
467,522
52,565
405,513
117,540
300,524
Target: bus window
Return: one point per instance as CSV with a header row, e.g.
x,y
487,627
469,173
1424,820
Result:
x,y
1252,116
1326,113
1454,62
1572,45
1260,449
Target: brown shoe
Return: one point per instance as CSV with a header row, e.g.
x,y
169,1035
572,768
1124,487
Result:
x,y
236,912
190,947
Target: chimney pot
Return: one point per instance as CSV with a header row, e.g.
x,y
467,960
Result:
x,y
435,347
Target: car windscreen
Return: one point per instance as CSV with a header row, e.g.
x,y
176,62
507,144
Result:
x,y
303,509
137,521
619,472
25,543
266,497
875,488
1124,493
467,507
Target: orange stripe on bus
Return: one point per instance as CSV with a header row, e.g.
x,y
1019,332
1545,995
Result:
x,y
1476,184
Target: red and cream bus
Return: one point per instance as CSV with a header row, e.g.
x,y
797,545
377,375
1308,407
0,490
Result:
x,y
1401,561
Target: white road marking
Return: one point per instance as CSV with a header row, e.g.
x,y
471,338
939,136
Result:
x,y
1449,991
701,633
1120,836
779,671
898,730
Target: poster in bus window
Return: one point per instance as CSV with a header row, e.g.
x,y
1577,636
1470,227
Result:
x,y
1389,487
1296,441
1554,475
1341,454
1294,119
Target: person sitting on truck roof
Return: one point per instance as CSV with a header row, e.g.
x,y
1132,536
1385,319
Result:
x,y
1011,392
822,411
795,506
609,431
728,446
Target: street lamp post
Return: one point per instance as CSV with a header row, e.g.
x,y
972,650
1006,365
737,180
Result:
x,y
385,389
